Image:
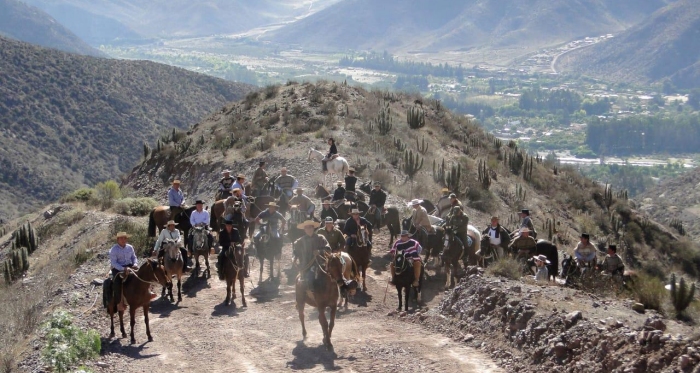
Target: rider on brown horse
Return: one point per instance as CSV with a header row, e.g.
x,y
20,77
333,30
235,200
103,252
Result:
x,y
259,179
305,251
377,199
352,228
410,249
459,222
170,233
333,235
231,237
304,203
225,185
176,199
123,259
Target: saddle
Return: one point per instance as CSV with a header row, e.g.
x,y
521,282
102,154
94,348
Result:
x,y
339,202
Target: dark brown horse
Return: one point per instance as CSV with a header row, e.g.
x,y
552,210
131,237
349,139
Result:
x,y
325,294
218,209
392,220
323,194
232,268
361,253
135,290
160,215
344,209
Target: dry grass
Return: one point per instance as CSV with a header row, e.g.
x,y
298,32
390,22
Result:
x,y
506,267
650,292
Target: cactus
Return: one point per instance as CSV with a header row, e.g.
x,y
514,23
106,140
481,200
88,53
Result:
x,y
483,175
438,106
681,295
412,164
622,195
453,178
146,151
383,121
520,193
7,272
439,172
25,236
399,145
415,118
550,226
158,146
527,166
608,196
422,146
515,162
678,226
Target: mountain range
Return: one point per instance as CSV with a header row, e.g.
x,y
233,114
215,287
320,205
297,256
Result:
x,y
68,120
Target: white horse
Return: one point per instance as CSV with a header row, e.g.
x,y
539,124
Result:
x,y
337,167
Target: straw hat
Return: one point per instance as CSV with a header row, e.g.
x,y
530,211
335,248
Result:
x,y
339,182
445,190
176,182
171,222
354,211
415,202
452,195
272,204
351,169
308,223
122,234
226,171
541,258
524,230
235,190
240,176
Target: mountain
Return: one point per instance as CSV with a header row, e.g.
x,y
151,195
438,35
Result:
x,y
67,120
28,23
103,21
445,25
664,46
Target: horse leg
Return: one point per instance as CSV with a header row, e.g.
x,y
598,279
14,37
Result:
x,y
132,321
407,294
272,267
364,275
111,319
179,289
227,301
334,309
398,290
121,324
262,265
324,324
447,275
145,319
170,291
300,309
241,280
206,261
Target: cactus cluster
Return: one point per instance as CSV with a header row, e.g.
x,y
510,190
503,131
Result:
x,y
483,174
412,163
415,117
681,294
616,224
383,123
25,236
622,194
422,146
16,264
550,226
608,196
451,179
520,193
678,226
439,172
527,167
399,145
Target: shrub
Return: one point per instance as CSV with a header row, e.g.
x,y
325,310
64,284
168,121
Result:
x,y
135,206
82,255
107,193
80,195
66,344
139,234
506,267
649,291
681,295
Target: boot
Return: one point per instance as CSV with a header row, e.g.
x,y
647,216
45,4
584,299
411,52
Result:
x,y
117,294
393,274
246,265
416,273
185,267
218,266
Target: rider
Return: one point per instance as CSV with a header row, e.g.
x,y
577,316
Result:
x,y
176,199
585,252
350,183
328,211
339,193
527,222
170,233
612,264
331,152
235,208
305,204
306,250
228,237
275,221
259,179
286,183
410,249
240,180
498,236
199,218
454,201
445,195
352,227
459,222
377,199
225,184
523,245
333,235
419,217
123,259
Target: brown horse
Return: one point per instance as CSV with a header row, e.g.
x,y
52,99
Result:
x,y
325,294
361,253
135,290
232,271
218,209
344,209
322,193
392,220
173,263
201,248
160,215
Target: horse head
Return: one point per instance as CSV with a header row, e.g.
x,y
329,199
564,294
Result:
x,y
199,237
334,267
568,266
172,249
158,272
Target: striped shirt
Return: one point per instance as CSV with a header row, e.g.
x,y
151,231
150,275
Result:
x,y
411,249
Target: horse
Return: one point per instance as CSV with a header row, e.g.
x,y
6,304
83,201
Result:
x,y
361,252
351,277
218,212
136,294
549,250
296,217
322,293
454,250
431,243
231,271
173,264
201,247
160,215
403,279
489,253
443,208
267,248
337,167
323,194
344,209
572,273
390,219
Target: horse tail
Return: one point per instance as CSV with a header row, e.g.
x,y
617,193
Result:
x,y
152,224
355,271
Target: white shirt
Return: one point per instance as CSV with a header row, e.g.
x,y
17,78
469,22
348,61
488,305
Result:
x,y
492,236
165,234
199,217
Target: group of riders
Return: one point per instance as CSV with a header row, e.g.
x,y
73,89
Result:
x,y
328,238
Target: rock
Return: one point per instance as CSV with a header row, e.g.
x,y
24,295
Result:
x,y
654,324
559,350
392,313
402,314
515,289
684,361
102,364
468,338
572,318
638,307
423,317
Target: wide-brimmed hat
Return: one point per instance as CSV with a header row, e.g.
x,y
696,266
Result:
x,y
586,236
176,182
326,202
354,211
445,190
170,222
351,169
525,211
339,182
541,258
415,202
122,234
495,217
405,233
228,222
329,219
240,176
199,202
452,195
524,230
235,190
377,184
308,223
299,190
227,171
272,204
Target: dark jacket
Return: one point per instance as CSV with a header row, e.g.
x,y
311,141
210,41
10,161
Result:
x,y
330,212
226,239
350,182
339,194
352,228
332,150
377,198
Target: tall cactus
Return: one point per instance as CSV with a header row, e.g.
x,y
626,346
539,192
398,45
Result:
x,y
415,117
608,196
384,121
439,172
422,146
483,175
25,236
520,193
678,226
399,145
412,163
453,179
681,294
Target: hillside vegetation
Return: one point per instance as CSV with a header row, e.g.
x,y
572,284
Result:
x,y
69,120
27,23
459,25
662,47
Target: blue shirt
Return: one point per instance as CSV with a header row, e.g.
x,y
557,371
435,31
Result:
x,y
239,186
175,197
121,257
199,218
273,219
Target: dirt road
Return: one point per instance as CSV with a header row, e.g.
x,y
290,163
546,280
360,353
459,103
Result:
x,y
201,333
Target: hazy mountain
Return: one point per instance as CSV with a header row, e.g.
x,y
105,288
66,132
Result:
x,y
414,25
27,23
666,45
68,120
104,21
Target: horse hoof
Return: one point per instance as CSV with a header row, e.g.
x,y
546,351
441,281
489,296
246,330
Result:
x,y
329,347
133,341
123,335
150,339
111,335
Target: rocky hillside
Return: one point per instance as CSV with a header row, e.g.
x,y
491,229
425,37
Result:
x,y
28,23
280,124
662,47
68,120
459,25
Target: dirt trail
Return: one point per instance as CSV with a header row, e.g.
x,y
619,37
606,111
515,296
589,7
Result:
x,y
201,332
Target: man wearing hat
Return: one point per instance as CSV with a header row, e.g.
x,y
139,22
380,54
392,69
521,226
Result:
x,y
444,197
335,238
275,221
339,193
612,264
306,249
350,183
498,236
176,199
541,263
286,183
225,185
304,203
454,202
170,233
585,252
122,257
377,199
235,208
459,222
527,222
419,217
230,236
240,181
410,249
328,211
199,218
523,245
260,178
352,228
